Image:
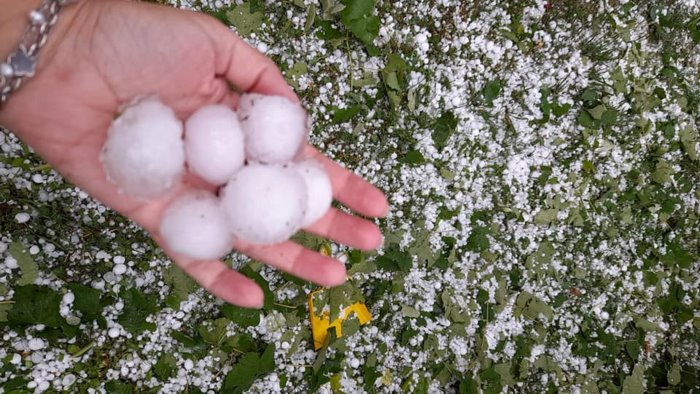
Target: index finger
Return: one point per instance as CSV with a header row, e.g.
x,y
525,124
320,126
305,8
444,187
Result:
x,y
243,66
350,189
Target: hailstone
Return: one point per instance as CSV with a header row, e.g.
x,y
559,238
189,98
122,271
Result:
x,y
318,190
194,225
275,128
214,143
144,153
264,204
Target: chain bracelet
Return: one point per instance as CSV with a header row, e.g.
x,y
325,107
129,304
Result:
x,y
21,63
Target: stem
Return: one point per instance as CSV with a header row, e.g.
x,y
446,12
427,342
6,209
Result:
x,y
84,350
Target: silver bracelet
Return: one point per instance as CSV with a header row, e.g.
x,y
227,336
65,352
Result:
x,y
21,63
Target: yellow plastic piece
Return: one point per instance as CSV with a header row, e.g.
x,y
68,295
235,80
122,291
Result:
x,y
321,324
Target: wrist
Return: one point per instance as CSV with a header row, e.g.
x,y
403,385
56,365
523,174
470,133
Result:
x,y
13,21
41,17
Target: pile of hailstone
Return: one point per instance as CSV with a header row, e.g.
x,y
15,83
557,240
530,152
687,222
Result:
x,y
264,194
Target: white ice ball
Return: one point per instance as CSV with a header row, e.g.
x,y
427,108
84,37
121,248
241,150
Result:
x,y
264,204
144,153
195,226
275,128
319,191
214,143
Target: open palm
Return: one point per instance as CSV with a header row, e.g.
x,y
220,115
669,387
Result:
x,y
102,55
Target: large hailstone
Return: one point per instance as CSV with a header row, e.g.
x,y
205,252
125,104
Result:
x,y
194,225
214,143
264,204
144,153
318,190
275,128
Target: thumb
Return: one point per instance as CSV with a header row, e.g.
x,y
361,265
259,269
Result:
x,y
248,70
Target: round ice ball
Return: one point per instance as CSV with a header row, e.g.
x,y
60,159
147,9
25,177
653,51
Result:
x,y
214,143
194,225
264,204
144,153
319,191
275,128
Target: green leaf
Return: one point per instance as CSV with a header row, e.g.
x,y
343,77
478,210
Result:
x,y
491,381
394,98
117,387
676,255
394,259
25,262
87,301
634,384
662,173
336,300
328,32
412,157
350,325
242,375
633,349
561,110
269,300
392,80
468,386
367,79
357,9
4,309
364,267
443,129
597,112
585,120
310,18
330,8
35,305
16,385
689,139
215,332
244,317
165,366
345,114
478,240
609,117
245,18
267,360
546,216
531,307
137,307
674,375
590,95
421,248
409,311
492,90
297,70
357,16
544,253
180,283
694,29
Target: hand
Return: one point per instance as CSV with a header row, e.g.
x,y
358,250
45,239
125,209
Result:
x,y
105,53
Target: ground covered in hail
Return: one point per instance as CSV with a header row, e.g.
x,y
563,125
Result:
x,y
541,160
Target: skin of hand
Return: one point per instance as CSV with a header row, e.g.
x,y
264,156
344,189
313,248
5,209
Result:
x,y
102,55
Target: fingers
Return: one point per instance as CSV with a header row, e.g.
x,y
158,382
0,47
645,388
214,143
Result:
x,y
296,260
350,189
218,279
346,229
243,66
225,283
